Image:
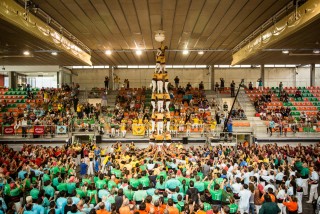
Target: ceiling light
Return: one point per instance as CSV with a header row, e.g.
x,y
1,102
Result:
x,y
54,53
185,52
316,51
138,52
27,53
108,52
200,52
285,51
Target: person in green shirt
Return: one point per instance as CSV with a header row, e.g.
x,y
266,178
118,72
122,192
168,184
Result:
x,y
226,195
129,193
206,206
134,182
71,186
184,187
160,185
80,193
199,185
144,180
172,183
62,186
139,195
101,182
49,190
92,193
112,183
216,194
34,193
233,206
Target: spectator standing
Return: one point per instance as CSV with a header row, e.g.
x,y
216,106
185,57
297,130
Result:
x,y
106,83
232,88
260,84
271,126
176,81
250,86
75,103
221,84
201,86
216,86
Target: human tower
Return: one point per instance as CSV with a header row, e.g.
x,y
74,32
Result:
x,y
160,99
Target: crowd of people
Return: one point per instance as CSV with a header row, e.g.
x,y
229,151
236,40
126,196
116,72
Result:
x,y
281,117
50,108
123,179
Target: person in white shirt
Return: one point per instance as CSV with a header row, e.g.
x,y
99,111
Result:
x,y
313,181
280,197
236,188
270,185
244,201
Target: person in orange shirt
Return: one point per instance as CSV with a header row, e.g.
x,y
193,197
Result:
x,y
142,209
157,208
124,209
292,205
272,196
149,206
171,208
102,209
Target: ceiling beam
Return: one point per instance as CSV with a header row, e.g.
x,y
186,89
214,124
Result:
x,y
295,21
15,14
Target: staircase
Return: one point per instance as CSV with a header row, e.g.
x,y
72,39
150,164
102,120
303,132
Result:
x,y
258,126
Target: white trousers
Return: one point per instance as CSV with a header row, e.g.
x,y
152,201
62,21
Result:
x,y
160,87
167,105
283,209
299,197
153,124
168,126
158,67
166,87
160,105
123,133
258,207
154,86
160,127
90,168
305,186
153,103
313,192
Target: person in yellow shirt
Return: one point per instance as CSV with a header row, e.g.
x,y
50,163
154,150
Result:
x,y
188,125
159,57
123,129
181,125
175,129
195,122
213,126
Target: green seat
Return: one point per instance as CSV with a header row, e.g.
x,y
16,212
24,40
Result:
x,y
293,108
297,113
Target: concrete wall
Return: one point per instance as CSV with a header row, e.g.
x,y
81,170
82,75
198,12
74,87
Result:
x,y
89,78
288,76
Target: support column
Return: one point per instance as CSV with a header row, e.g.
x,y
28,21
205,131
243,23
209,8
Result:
x,y
12,79
212,77
111,77
262,74
312,75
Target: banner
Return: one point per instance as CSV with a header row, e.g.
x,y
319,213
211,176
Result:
x,y
8,130
61,129
138,130
38,130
